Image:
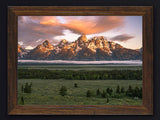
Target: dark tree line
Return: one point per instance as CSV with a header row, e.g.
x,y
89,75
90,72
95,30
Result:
x,y
80,75
118,93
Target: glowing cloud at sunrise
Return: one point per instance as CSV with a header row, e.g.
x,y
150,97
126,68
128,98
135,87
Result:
x,y
87,25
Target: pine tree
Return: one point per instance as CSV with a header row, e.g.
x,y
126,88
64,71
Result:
x,y
111,91
129,92
75,85
136,92
108,90
98,92
26,88
118,89
130,89
88,93
22,100
104,94
122,90
63,91
30,88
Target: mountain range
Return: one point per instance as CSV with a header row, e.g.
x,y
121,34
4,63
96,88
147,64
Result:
x,y
96,48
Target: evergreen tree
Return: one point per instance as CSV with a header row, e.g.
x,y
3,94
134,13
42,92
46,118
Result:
x,y
122,90
130,89
26,88
22,100
129,92
136,92
63,91
108,90
118,89
111,91
30,88
98,92
75,85
104,94
88,93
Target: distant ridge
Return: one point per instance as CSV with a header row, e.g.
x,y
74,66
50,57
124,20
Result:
x,y
82,49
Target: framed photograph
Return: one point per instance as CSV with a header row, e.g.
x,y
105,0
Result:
x,y
65,60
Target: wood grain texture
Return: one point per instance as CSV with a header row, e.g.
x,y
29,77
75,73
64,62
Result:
x,y
145,109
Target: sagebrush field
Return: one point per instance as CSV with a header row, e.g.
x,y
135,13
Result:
x,y
47,91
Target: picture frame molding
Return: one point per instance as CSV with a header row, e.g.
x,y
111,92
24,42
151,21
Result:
x,y
145,11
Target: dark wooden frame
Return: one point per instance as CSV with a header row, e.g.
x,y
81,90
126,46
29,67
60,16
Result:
x,y
145,109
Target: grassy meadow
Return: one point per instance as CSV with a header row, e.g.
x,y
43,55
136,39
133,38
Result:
x,y
47,91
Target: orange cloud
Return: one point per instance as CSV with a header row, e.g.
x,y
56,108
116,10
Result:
x,y
43,18
87,24
47,27
53,22
49,20
80,26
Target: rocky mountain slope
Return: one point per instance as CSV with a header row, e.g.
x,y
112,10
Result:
x,y
21,52
41,51
97,48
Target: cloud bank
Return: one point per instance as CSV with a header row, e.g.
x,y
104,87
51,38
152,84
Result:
x,y
88,24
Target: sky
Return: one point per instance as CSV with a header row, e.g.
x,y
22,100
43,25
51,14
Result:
x,y
125,30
